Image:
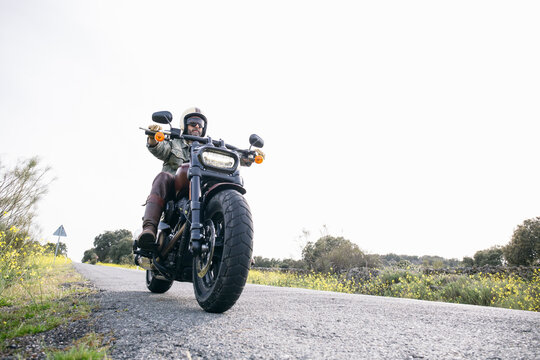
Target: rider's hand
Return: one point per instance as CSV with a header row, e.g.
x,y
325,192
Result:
x,y
151,140
260,153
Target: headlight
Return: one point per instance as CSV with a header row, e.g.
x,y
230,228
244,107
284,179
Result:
x,y
219,160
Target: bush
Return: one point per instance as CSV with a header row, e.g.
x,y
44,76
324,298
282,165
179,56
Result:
x,y
16,257
498,289
90,256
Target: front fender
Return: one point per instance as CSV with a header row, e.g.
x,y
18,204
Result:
x,y
219,187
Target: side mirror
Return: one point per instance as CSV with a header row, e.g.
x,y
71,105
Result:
x,y
162,117
256,140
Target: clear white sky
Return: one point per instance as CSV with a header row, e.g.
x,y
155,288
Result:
x,y
405,126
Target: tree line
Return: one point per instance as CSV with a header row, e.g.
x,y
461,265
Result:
x,y
337,254
25,184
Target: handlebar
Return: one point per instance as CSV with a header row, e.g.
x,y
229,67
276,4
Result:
x,y
175,134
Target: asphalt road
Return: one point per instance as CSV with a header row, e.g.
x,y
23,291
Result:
x,y
283,323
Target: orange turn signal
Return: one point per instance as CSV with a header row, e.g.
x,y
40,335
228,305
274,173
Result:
x,y
259,159
159,136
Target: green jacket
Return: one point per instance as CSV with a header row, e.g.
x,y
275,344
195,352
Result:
x,y
173,153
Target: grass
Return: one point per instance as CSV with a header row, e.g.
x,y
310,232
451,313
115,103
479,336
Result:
x,y
125,266
39,293
498,290
89,347
41,302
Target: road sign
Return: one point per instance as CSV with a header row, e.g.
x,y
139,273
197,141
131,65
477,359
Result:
x,y
60,231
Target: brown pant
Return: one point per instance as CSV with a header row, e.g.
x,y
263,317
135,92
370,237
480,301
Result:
x,y
162,192
162,189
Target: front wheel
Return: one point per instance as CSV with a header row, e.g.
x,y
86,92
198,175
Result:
x,y
220,272
155,285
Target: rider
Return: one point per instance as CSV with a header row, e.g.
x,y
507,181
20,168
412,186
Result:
x,y
173,153
176,152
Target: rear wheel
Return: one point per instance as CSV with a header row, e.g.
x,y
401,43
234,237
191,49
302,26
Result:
x,y
156,285
220,271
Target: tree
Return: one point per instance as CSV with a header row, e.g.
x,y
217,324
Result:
x,y
112,245
51,248
21,188
524,247
315,254
392,259
468,261
334,254
263,262
292,264
492,256
120,252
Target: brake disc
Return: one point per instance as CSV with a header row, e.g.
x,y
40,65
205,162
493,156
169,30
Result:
x,y
210,232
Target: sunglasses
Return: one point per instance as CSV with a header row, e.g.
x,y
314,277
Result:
x,y
196,122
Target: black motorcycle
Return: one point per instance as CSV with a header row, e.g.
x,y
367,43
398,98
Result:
x,y
206,234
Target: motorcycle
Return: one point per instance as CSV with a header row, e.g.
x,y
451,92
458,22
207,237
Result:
x,y
205,235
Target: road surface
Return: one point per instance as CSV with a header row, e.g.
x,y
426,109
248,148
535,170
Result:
x,y
285,323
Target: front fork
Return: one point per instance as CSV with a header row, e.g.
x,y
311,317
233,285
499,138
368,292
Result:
x,y
197,230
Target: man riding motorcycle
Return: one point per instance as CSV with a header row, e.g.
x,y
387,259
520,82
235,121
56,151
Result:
x,y
173,153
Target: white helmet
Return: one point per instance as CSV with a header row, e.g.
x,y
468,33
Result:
x,y
194,111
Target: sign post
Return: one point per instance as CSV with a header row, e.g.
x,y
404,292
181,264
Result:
x,y
59,232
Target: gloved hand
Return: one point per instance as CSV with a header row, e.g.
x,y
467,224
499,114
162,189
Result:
x,y
151,140
154,127
260,153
